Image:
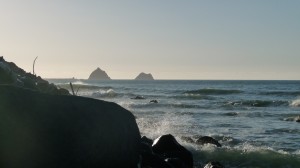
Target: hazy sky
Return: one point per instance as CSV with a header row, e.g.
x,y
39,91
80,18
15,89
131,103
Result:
x,y
172,39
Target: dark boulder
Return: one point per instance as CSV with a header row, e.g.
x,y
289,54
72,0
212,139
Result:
x,y
166,146
153,101
147,140
206,139
150,160
175,162
43,130
213,165
145,148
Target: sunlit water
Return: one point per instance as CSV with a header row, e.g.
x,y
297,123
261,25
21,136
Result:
x,y
255,121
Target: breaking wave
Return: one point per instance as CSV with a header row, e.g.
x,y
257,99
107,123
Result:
x,y
110,93
295,103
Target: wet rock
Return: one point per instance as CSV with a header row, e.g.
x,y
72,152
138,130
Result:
x,y
214,165
150,160
145,148
206,139
46,130
153,101
138,98
147,140
231,114
175,162
166,146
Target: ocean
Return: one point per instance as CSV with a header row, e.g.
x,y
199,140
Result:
x,y
255,121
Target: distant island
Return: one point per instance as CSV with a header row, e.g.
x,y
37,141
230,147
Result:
x,y
144,76
99,74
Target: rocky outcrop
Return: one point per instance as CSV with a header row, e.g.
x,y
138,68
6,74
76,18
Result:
x,y
144,76
44,130
99,74
13,75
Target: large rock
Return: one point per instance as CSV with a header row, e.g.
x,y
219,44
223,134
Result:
x,y
99,74
144,76
167,147
40,130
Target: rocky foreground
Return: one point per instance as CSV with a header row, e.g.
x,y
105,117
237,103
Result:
x,y
44,126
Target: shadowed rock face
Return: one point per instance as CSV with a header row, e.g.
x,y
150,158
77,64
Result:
x,y
213,165
11,74
167,147
40,130
144,76
98,74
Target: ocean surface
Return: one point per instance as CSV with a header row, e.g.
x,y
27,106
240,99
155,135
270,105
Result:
x,y
255,121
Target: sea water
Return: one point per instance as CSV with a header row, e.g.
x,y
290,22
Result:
x,y
255,121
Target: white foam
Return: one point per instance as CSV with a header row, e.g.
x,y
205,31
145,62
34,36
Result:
x,y
79,82
297,152
104,93
295,103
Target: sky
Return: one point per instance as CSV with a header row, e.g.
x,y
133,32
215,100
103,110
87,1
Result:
x,y
171,39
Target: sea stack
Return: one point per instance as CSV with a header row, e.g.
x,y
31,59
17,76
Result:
x,y
144,76
99,74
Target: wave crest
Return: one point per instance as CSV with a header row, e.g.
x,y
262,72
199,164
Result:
x,y
295,103
213,91
110,93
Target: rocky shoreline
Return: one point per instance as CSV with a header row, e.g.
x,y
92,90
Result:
x,y
11,74
44,126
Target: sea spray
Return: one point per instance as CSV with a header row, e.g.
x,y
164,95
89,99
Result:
x,y
295,103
